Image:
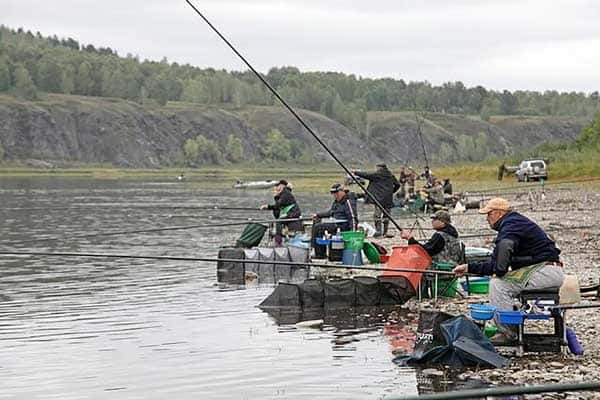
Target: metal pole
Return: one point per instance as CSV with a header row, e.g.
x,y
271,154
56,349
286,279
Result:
x,y
506,391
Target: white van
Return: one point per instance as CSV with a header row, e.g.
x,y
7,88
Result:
x,y
532,169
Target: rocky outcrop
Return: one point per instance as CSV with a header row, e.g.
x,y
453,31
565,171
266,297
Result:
x,y
76,129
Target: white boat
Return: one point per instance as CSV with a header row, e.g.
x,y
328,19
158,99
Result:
x,y
254,184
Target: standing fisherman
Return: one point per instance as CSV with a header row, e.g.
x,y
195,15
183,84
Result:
x,y
382,186
285,207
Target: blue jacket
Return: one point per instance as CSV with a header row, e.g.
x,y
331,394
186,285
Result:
x,y
343,209
520,242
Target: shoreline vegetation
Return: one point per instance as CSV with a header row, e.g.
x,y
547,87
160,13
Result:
x,y
315,178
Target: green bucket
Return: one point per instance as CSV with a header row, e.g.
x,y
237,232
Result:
x,y
353,240
443,266
448,286
371,253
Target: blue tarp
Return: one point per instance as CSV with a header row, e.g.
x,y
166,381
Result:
x,y
464,346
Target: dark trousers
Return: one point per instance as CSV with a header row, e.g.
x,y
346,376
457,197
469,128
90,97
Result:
x,y
297,226
381,219
318,230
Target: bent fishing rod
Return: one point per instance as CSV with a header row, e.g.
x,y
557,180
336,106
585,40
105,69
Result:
x,y
217,259
296,115
167,228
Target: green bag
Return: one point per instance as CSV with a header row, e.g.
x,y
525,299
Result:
x,y
251,235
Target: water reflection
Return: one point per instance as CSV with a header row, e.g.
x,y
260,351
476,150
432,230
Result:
x,y
85,327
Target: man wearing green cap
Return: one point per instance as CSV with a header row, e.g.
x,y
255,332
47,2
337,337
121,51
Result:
x,y
444,245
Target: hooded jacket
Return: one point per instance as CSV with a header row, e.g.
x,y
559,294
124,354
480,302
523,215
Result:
x,y
382,185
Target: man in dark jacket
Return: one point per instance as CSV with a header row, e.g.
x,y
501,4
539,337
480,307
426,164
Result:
x,y
285,207
382,185
524,257
342,210
444,245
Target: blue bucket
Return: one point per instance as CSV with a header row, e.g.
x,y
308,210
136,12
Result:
x,y
352,257
510,317
482,312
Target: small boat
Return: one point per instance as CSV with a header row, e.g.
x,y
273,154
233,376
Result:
x,y
254,184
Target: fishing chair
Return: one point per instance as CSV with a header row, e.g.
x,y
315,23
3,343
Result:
x,y
538,305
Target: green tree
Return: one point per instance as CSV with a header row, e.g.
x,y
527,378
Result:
x,y
83,81
1,153
590,135
4,75
49,74
277,147
234,149
24,86
191,152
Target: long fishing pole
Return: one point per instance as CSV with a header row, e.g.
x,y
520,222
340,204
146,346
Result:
x,y
217,259
296,115
167,228
207,207
535,185
504,391
420,134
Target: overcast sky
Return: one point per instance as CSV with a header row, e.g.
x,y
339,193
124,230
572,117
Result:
x,y
500,44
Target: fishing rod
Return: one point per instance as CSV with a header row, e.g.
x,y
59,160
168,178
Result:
x,y
217,259
207,207
167,228
420,134
536,185
505,391
296,115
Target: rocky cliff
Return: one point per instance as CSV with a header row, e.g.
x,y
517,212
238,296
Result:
x,y
74,129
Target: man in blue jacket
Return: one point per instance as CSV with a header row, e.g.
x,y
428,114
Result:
x,y
343,210
524,257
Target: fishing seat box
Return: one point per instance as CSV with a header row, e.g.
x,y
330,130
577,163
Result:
x,y
543,342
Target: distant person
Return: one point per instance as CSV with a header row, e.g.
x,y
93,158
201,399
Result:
x,y
524,257
180,177
428,176
435,195
343,210
444,245
501,170
403,181
284,207
410,182
382,186
447,185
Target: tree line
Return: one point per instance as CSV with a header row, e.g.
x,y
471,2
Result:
x,y
32,63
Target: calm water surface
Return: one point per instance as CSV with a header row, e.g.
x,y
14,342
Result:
x,y
91,328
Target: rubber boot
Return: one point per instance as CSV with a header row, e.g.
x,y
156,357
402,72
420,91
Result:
x,y
377,229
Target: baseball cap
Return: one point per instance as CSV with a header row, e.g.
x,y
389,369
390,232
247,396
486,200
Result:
x,y
497,203
336,187
281,182
442,215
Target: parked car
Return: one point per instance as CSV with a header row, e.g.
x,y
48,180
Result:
x,y
532,169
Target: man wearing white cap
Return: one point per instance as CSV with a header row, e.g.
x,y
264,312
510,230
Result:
x,y
524,257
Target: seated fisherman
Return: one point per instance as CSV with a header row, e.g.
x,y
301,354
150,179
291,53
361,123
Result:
x,y
285,207
444,245
435,195
524,257
342,209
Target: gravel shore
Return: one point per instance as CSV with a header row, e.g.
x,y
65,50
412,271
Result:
x,y
570,218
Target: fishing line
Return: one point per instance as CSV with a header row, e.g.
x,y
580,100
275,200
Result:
x,y
209,259
167,228
296,115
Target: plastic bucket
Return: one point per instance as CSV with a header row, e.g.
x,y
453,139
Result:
x,y
446,287
352,257
353,240
371,253
510,317
442,266
482,312
477,285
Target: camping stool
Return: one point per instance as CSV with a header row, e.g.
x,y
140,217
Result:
x,y
554,342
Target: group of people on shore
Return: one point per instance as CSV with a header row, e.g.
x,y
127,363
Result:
x,y
524,256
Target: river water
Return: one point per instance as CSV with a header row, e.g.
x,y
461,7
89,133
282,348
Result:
x,y
91,328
